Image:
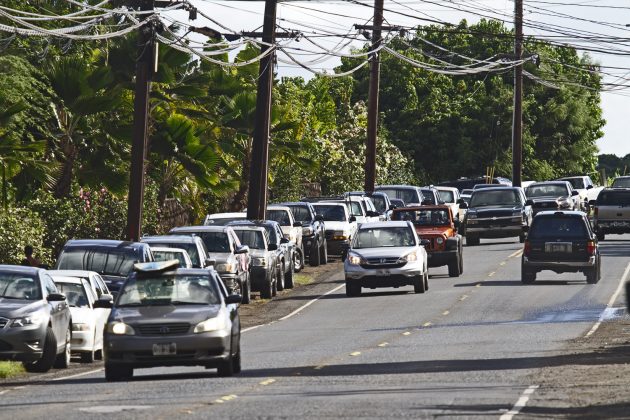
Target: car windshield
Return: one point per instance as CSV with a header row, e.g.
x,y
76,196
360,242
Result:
x,y
215,241
614,198
396,202
113,261
222,221
331,213
447,196
577,183
252,238
170,255
19,286
404,194
379,203
301,213
429,217
621,183
550,190
190,248
168,290
75,294
280,216
503,197
384,237
557,227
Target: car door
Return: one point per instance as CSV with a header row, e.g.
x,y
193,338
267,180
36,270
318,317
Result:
x,y
59,312
101,314
284,249
232,308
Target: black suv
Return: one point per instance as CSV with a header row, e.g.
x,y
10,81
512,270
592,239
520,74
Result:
x,y
113,260
497,212
563,242
313,231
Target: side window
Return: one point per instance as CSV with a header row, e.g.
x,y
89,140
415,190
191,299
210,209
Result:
x,y
221,285
49,285
97,287
101,284
148,256
234,242
91,294
279,234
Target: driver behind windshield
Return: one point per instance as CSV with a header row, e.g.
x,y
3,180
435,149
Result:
x,y
168,290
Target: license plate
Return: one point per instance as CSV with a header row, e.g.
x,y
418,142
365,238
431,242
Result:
x,y
164,349
383,272
558,247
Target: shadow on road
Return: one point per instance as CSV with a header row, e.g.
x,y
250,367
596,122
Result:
x,y
494,283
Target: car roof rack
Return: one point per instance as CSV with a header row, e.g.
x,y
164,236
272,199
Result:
x,y
156,266
320,198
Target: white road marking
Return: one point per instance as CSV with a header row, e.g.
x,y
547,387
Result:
x,y
520,404
268,382
78,374
108,409
611,302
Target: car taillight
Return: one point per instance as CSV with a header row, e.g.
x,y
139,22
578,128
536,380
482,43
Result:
x,y
595,211
527,249
590,247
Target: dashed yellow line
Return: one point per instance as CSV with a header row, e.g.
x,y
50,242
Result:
x,y
226,398
516,254
446,313
463,298
320,367
406,333
267,381
355,353
502,263
427,324
478,285
383,344
492,274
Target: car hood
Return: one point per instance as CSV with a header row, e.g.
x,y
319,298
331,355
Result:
x,y
495,211
258,253
219,257
384,252
434,231
336,225
192,314
15,308
82,315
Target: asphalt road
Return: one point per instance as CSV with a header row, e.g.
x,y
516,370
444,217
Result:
x,y
470,347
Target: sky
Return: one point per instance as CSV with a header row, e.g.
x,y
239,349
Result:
x,y
315,18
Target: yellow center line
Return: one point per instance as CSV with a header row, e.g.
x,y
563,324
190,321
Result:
x,y
478,285
446,313
427,324
383,344
492,274
355,353
320,367
503,263
463,298
516,254
267,381
406,333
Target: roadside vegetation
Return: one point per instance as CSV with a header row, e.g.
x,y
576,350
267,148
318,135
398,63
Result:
x,y
66,119
11,370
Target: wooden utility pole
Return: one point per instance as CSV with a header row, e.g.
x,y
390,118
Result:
x,y
144,72
375,76
517,119
259,168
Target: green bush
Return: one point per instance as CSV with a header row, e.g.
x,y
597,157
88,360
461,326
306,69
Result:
x,y
20,227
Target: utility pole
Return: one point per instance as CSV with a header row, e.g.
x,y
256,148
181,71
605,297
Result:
x,y
144,72
375,76
517,119
259,168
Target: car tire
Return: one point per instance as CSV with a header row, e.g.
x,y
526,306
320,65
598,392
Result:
x,y
453,266
426,279
323,259
601,236
288,279
461,259
298,260
314,259
89,356
225,368
274,285
472,240
521,238
420,284
527,276
594,274
236,361
246,290
98,354
115,373
45,363
280,278
267,290
353,289
63,359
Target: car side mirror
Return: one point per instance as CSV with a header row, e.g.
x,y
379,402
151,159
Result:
x,y
243,249
392,207
56,297
319,218
592,203
427,202
233,299
525,228
210,261
574,193
457,223
104,302
284,240
353,219
529,202
344,251
297,224
588,187
463,205
425,242
272,247
371,213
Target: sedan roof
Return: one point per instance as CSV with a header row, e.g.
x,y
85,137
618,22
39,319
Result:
x,y
20,269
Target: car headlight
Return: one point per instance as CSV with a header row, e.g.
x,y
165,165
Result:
x,y
439,240
226,267
354,259
307,231
217,323
259,262
340,235
120,328
471,215
411,257
80,327
563,203
34,319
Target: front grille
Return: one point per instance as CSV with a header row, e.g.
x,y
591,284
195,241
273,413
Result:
x,y
3,322
330,234
498,222
383,263
163,329
148,355
546,205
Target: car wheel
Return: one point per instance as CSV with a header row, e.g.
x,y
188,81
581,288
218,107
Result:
x,y
314,256
298,260
594,274
288,279
280,279
426,279
63,360
461,259
89,356
274,285
226,367
236,362
601,236
98,354
353,289
453,266
115,373
48,355
323,254
267,290
420,285
527,276
472,240
246,290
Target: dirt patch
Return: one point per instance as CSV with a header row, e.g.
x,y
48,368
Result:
x,y
308,284
591,381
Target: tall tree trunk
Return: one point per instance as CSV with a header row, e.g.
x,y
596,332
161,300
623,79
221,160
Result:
x,y
239,201
63,186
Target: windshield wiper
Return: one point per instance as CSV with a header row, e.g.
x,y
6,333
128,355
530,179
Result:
x,y
181,302
11,297
130,304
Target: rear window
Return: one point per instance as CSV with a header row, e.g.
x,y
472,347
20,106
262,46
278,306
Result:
x,y
447,196
614,198
621,183
301,213
280,216
252,238
577,183
112,261
558,227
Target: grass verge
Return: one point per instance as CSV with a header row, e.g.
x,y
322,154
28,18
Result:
x,y
302,279
10,369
